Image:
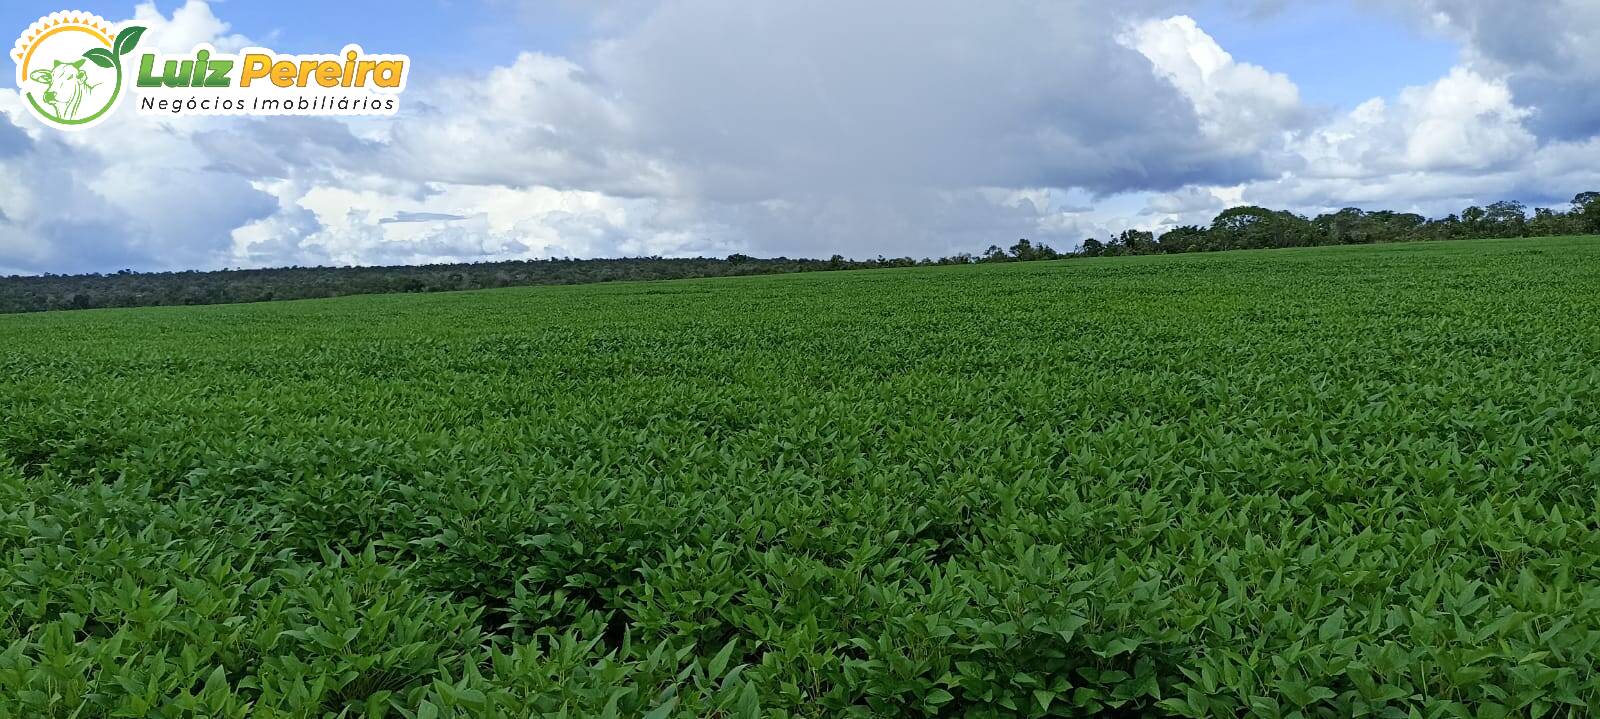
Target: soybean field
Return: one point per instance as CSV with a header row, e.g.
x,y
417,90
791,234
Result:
x,y
1323,482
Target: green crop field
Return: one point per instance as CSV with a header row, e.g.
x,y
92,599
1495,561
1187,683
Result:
x,y
1325,483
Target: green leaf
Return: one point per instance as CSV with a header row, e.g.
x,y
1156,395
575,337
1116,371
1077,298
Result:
x,y
101,56
663,711
748,705
611,709
720,661
1333,627
217,682
127,39
1121,645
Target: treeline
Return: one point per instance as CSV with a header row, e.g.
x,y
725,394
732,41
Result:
x,y
129,288
144,289
1237,228
1245,228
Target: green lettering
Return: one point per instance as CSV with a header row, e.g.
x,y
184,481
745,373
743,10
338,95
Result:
x,y
147,66
219,74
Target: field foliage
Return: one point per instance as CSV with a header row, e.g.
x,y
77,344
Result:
x,y
1330,482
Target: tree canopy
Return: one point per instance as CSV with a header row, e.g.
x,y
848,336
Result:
x,y
1252,227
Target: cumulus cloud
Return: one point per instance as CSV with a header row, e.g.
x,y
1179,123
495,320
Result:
x,y
1544,51
126,195
1462,122
1241,106
132,193
190,24
541,120
1479,133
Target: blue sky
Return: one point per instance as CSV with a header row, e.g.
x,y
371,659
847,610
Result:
x,y
1340,54
536,128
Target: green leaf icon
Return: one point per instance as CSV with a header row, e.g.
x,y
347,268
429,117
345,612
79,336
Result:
x,y
101,56
128,38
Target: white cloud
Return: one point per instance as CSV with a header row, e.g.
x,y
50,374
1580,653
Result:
x,y
1544,51
190,24
344,226
563,131
135,192
1434,149
1242,106
1462,122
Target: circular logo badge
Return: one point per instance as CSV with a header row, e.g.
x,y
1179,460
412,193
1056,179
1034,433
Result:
x,y
69,68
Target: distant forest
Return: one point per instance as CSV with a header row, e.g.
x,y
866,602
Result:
x,y
1235,229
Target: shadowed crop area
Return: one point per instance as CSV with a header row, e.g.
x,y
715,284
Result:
x,y
1321,482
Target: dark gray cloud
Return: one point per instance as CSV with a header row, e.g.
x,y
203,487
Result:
x,y
82,246
772,99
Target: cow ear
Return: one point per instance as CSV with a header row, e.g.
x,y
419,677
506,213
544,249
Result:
x,y
39,76
77,64
58,63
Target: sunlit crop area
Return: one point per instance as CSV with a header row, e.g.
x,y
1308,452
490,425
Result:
x,y
1324,482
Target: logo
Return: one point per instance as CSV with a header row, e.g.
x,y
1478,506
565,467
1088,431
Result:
x,y
73,70
70,68
258,81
